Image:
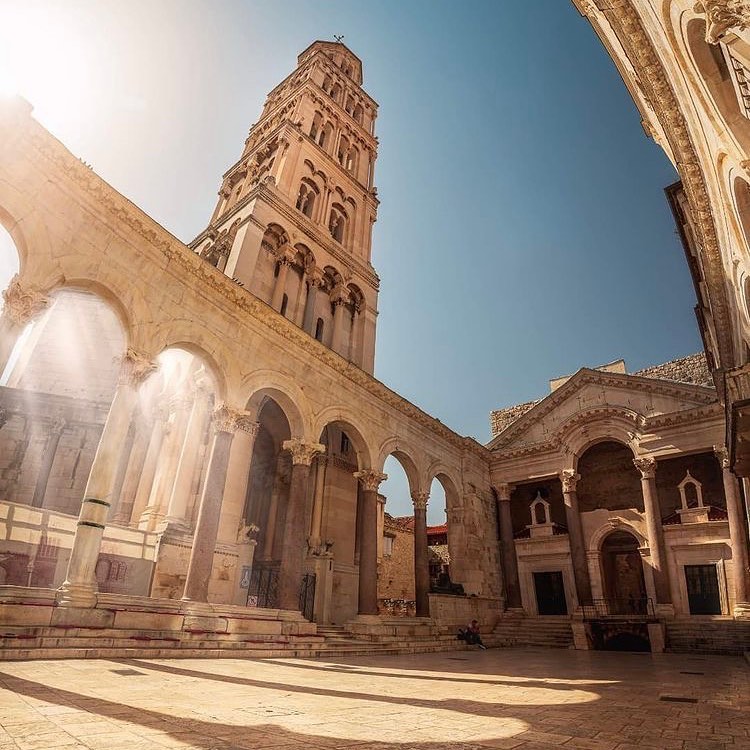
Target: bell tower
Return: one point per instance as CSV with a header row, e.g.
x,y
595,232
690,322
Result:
x,y
293,223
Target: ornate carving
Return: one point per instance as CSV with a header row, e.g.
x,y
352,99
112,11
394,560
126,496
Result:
x,y
504,490
135,368
245,423
339,295
225,418
302,452
370,479
23,303
646,465
722,454
723,16
419,499
569,479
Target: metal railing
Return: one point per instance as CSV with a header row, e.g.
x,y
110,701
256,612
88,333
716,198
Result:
x,y
625,609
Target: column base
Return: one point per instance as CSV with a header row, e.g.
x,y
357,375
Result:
x,y
665,611
656,637
742,611
83,596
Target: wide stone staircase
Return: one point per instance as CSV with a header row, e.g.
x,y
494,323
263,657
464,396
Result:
x,y
539,632
708,635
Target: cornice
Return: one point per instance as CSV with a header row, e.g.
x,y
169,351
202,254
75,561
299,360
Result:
x,y
626,23
586,376
698,414
161,245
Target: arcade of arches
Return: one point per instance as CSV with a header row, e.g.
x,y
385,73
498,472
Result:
x,y
146,457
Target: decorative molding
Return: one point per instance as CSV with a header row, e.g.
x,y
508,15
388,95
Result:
x,y
646,465
23,303
419,500
504,491
302,452
370,479
135,368
245,423
722,454
226,419
569,479
723,16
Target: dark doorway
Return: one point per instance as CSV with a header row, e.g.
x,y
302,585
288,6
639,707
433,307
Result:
x,y
624,585
703,589
550,593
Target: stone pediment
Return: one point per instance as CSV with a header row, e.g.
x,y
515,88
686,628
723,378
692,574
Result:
x,y
592,395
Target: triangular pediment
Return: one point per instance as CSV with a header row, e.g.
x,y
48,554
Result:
x,y
594,392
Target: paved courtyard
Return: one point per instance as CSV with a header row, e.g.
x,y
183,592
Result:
x,y
511,698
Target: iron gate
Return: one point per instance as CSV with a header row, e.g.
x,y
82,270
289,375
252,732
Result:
x,y
263,590
307,596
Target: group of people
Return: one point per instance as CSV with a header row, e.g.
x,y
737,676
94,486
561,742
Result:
x,y
471,635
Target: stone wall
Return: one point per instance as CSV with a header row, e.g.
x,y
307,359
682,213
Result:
x,y
396,571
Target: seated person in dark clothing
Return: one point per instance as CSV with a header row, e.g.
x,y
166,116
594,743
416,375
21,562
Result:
x,y
471,635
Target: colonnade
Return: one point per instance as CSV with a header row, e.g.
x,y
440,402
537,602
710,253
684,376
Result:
x,y
656,551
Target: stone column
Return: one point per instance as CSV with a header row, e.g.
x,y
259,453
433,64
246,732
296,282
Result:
x,y
148,473
508,549
238,478
285,260
122,470
314,281
569,480
737,536
421,554
21,305
182,488
338,299
272,514
293,548
316,520
368,543
647,466
207,526
126,500
48,458
79,588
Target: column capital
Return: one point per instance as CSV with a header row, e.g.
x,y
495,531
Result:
x,y
420,500
503,491
22,303
302,452
569,479
226,419
245,423
646,465
339,295
722,454
314,276
58,425
135,368
723,16
370,479
285,255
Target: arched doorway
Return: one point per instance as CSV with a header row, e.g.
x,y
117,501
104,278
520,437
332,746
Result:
x,y
622,574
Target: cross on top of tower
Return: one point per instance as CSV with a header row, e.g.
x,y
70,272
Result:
x,y
339,38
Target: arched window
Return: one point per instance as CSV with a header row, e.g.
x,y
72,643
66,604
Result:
x,y
315,127
284,303
349,105
337,223
306,198
343,150
352,159
336,92
358,113
326,135
327,83
319,329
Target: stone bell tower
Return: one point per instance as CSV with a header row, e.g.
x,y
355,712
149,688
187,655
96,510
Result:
x,y
293,223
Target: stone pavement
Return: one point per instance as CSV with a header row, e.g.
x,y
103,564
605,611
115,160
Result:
x,y
504,698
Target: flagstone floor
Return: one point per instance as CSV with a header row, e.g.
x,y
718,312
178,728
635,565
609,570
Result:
x,y
504,698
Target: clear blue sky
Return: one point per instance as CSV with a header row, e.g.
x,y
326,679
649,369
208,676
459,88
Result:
x,y
523,230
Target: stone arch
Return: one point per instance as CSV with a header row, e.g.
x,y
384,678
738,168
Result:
x,y
444,475
404,455
213,366
602,459
586,429
265,384
347,421
599,536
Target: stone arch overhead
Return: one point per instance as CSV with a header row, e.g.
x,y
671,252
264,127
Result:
x,y
183,334
445,475
262,384
362,441
587,428
405,455
599,536
626,24
25,234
